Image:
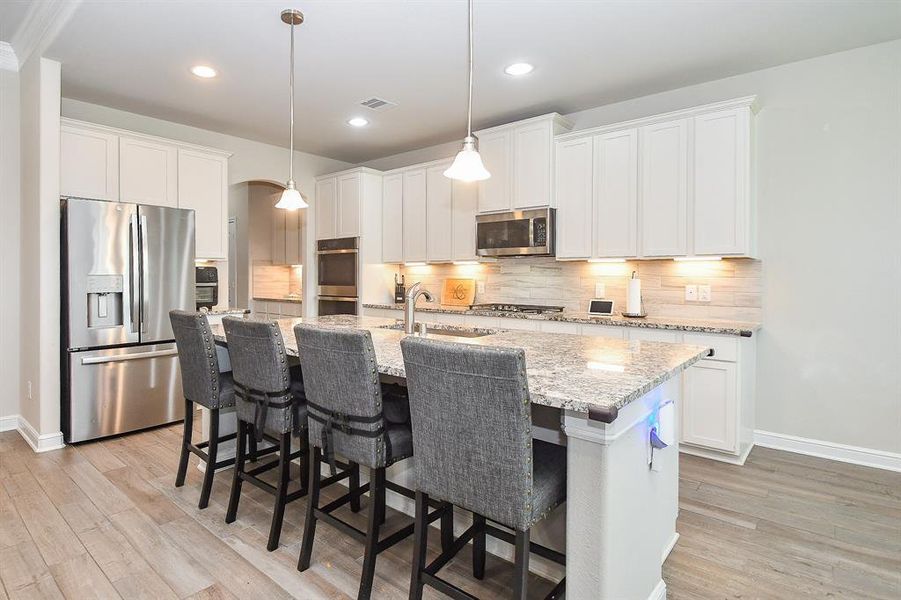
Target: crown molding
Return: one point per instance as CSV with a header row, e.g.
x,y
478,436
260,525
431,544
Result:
x,y
41,25
8,60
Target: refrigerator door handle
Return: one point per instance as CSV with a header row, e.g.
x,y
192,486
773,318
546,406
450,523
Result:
x,y
134,292
145,279
99,360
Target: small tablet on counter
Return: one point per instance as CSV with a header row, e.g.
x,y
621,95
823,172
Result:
x,y
600,307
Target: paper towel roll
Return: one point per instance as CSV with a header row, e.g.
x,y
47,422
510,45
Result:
x,y
633,299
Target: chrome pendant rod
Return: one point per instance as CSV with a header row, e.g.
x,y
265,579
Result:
x,y
291,85
469,106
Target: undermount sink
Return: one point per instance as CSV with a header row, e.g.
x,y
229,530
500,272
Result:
x,y
447,330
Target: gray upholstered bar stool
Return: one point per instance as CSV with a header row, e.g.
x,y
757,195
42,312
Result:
x,y
351,414
203,384
472,434
269,401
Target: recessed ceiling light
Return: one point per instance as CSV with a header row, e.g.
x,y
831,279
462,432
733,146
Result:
x,y
517,69
358,122
203,71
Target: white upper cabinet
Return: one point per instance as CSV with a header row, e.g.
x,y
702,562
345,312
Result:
x,y
466,200
393,218
89,162
348,206
439,213
671,185
520,158
721,172
664,189
532,165
203,186
495,193
326,208
415,216
148,172
616,194
574,198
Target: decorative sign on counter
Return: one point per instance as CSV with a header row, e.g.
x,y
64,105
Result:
x,y
458,292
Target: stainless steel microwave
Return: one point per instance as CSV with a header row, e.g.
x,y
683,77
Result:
x,y
516,233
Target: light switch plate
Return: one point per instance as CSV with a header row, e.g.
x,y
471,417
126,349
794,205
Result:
x,y
691,293
600,290
480,287
704,293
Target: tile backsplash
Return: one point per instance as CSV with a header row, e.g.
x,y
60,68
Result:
x,y
735,284
276,281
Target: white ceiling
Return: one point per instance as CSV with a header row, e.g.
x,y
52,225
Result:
x,y
135,56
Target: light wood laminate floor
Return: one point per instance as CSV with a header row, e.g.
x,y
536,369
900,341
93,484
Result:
x,y
103,520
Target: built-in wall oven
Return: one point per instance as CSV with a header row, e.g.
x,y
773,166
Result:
x,y
206,287
337,261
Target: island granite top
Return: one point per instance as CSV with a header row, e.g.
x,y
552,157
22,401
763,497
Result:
x,y
718,326
586,374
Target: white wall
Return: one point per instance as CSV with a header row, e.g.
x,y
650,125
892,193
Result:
x,y
9,243
39,96
829,195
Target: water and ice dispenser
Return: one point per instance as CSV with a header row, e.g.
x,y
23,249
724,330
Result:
x,y
105,300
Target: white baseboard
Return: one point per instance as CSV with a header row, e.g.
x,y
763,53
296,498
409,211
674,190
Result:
x,y
669,547
732,459
867,457
659,592
38,442
9,423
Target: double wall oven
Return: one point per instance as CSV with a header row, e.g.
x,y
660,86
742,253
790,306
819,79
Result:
x,y
338,268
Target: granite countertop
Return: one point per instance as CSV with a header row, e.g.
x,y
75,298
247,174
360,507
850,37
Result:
x,y
228,311
739,328
291,299
586,374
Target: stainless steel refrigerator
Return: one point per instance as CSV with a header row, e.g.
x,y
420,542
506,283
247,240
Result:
x,y
124,267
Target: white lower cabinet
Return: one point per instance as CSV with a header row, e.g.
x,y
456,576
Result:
x,y
561,327
709,406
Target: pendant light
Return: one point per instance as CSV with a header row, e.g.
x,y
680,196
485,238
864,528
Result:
x,y
291,198
468,164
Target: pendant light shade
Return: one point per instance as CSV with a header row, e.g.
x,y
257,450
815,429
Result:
x,y
291,198
468,163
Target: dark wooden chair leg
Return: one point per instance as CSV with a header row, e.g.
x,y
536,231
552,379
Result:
x,y
309,527
376,511
354,485
252,444
281,491
420,543
478,547
521,566
185,442
210,468
447,528
304,462
241,445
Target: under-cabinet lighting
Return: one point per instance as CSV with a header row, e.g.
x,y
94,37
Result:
x,y
599,366
606,260
696,258
414,264
461,263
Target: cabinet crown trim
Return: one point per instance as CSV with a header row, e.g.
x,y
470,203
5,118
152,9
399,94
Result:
x,y
554,117
144,136
695,111
352,171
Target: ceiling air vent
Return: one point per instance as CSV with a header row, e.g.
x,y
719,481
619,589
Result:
x,y
377,103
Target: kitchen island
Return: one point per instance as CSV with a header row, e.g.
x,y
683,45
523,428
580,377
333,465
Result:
x,y
606,396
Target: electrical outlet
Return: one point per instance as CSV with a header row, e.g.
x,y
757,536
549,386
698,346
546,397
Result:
x,y
691,293
600,290
704,293
480,287
28,390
